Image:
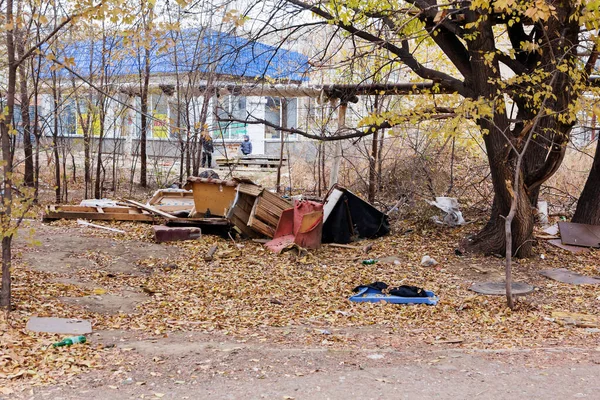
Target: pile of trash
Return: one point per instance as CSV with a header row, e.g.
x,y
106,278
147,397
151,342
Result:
x,y
243,206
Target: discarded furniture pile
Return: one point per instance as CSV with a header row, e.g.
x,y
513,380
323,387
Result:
x,y
243,206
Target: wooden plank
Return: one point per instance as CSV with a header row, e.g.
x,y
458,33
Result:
x,y
242,214
276,200
206,221
246,202
266,215
105,216
252,213
100,210
252,190
263,228
175,208
151,209
260,163
241,225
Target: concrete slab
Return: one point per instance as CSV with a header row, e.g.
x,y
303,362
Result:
x,y
59,325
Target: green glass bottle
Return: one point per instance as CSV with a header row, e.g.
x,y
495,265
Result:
x,y
70,341
370,261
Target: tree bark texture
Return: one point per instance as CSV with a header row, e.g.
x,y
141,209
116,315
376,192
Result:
x,y
588,206
144,120
7,158
56,115
25,116
541,159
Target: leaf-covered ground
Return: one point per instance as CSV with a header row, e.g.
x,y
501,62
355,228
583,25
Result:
x,y
248,292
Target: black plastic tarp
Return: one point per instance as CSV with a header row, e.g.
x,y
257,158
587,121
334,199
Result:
x,y
352,218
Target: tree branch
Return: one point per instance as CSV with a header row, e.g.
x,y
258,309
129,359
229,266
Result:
x,y
49,36
408,59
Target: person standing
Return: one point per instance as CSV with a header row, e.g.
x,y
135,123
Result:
x,y
246,146
207,149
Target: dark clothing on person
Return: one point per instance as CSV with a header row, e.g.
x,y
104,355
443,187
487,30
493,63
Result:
x,y
207,150
207,144
206,159
246,147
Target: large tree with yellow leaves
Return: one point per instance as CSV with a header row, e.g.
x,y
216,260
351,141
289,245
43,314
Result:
x,y
517,67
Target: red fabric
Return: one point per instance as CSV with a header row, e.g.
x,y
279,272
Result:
x,y
290,225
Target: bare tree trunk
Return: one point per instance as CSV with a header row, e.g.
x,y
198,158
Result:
x,y
144,121
284,109
99,166
380,159
25,116
65,185
55,95
372,167
318,168
7,157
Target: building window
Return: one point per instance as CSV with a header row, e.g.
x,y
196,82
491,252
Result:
x,y
160,113
280,112
231,107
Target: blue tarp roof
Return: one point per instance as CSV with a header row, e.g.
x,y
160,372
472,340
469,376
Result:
x,y
201,50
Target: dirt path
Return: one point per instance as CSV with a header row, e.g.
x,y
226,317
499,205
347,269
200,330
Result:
x,y
313,357
188,366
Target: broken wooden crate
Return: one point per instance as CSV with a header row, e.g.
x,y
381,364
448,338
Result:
x,y
256,211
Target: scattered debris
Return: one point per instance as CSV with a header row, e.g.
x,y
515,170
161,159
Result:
x,y
542,213
344,246
573,249
151,209
211,252
404,294
551,230
390,260
499,288
70,341
167,234
448,341
98,203
59,325
579,234
172,200
427,261
85,223
566,276
365,249
576,319
275,301
346,217
119,213
450,206
370,261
